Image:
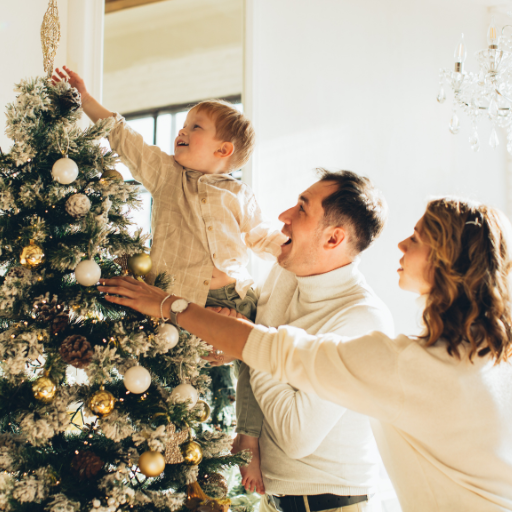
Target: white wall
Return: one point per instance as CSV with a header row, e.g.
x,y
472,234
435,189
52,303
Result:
x,y
20,40
81,45
171,53
352,84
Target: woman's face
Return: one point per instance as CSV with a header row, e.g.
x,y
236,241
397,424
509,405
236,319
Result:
x,y
415,272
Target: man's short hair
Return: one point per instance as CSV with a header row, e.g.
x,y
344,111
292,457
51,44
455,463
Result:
x,y
356,203
231,126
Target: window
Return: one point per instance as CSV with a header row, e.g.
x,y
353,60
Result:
x,y
160,127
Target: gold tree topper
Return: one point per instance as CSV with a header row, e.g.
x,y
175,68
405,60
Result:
x,y
50,36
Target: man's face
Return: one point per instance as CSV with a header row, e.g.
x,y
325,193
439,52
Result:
x,y
195,146
303,252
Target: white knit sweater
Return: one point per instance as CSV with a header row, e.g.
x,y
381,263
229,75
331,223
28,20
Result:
x,y
309,445
445,424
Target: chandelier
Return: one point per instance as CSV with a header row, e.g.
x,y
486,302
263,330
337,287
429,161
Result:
x,y
485,94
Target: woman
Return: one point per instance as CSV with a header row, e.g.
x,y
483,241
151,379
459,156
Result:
x,y
443,401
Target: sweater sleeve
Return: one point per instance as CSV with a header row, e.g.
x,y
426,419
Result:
x,y
147,163
299,421
360,374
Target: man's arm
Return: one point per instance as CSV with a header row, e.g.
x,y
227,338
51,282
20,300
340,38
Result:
x,y
299,421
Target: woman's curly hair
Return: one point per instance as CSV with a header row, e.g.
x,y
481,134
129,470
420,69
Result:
x,y
470,300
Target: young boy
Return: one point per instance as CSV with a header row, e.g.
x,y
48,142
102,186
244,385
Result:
x,y
203,222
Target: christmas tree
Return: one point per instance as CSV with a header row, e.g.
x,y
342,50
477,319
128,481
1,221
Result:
x,y
98,404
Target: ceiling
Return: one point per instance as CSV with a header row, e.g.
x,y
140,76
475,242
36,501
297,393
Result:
x,y
118,5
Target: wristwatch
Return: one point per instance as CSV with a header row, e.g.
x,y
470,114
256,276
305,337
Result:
x,y
178,306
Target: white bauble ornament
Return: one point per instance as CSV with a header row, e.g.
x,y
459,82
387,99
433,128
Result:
x,y
65,171
169,334
87,273
137,379
78,205
185,392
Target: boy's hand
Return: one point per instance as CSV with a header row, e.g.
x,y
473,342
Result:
x,y
91,107
74,79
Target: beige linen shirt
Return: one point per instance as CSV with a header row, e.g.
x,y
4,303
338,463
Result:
x,y
198,220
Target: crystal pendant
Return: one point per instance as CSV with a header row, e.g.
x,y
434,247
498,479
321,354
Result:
x,y
441,96
474,142
454,125
493,139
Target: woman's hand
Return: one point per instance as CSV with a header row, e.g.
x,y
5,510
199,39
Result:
x,y
140,296
228,335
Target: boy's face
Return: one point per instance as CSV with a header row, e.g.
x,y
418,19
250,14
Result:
x,y
197,148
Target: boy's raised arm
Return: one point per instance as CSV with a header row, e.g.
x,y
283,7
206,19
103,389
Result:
x,y
91,107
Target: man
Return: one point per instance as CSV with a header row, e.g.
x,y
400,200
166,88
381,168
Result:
x,y
316,455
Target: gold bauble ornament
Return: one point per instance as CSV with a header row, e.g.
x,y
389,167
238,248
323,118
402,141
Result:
x,y
140,264
202,411
192,453
112,174
101,402
32,255
151,463
44,389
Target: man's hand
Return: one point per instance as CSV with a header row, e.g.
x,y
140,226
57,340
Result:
x,y
214,358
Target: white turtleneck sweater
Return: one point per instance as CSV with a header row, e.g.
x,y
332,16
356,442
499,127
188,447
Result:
x,y
309,445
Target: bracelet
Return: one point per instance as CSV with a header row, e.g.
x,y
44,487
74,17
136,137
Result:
x,y
162,310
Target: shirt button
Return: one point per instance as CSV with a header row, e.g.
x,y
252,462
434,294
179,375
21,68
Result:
x,y
203,200
210,228
206,283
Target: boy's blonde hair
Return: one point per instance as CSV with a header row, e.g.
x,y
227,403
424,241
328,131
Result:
x,y
231,126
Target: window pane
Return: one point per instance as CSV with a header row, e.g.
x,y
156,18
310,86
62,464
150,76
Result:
x,y
164,138
142,217
145,126
180,120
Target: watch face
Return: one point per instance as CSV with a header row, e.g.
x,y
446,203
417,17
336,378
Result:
x,y
178,306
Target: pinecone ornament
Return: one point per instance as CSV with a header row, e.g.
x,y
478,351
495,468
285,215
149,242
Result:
x,y
76,351
19,273
215,485
86,465
60,322
47,310
70,100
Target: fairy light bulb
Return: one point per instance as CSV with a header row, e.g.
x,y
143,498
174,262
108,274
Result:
x,y
492,35
460,55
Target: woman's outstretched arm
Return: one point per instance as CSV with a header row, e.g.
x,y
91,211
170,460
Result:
x,y
224,333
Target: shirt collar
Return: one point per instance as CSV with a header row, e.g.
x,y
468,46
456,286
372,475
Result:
x,y
207,177
331,284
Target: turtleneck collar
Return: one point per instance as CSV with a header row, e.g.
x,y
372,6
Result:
x,y
329,285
